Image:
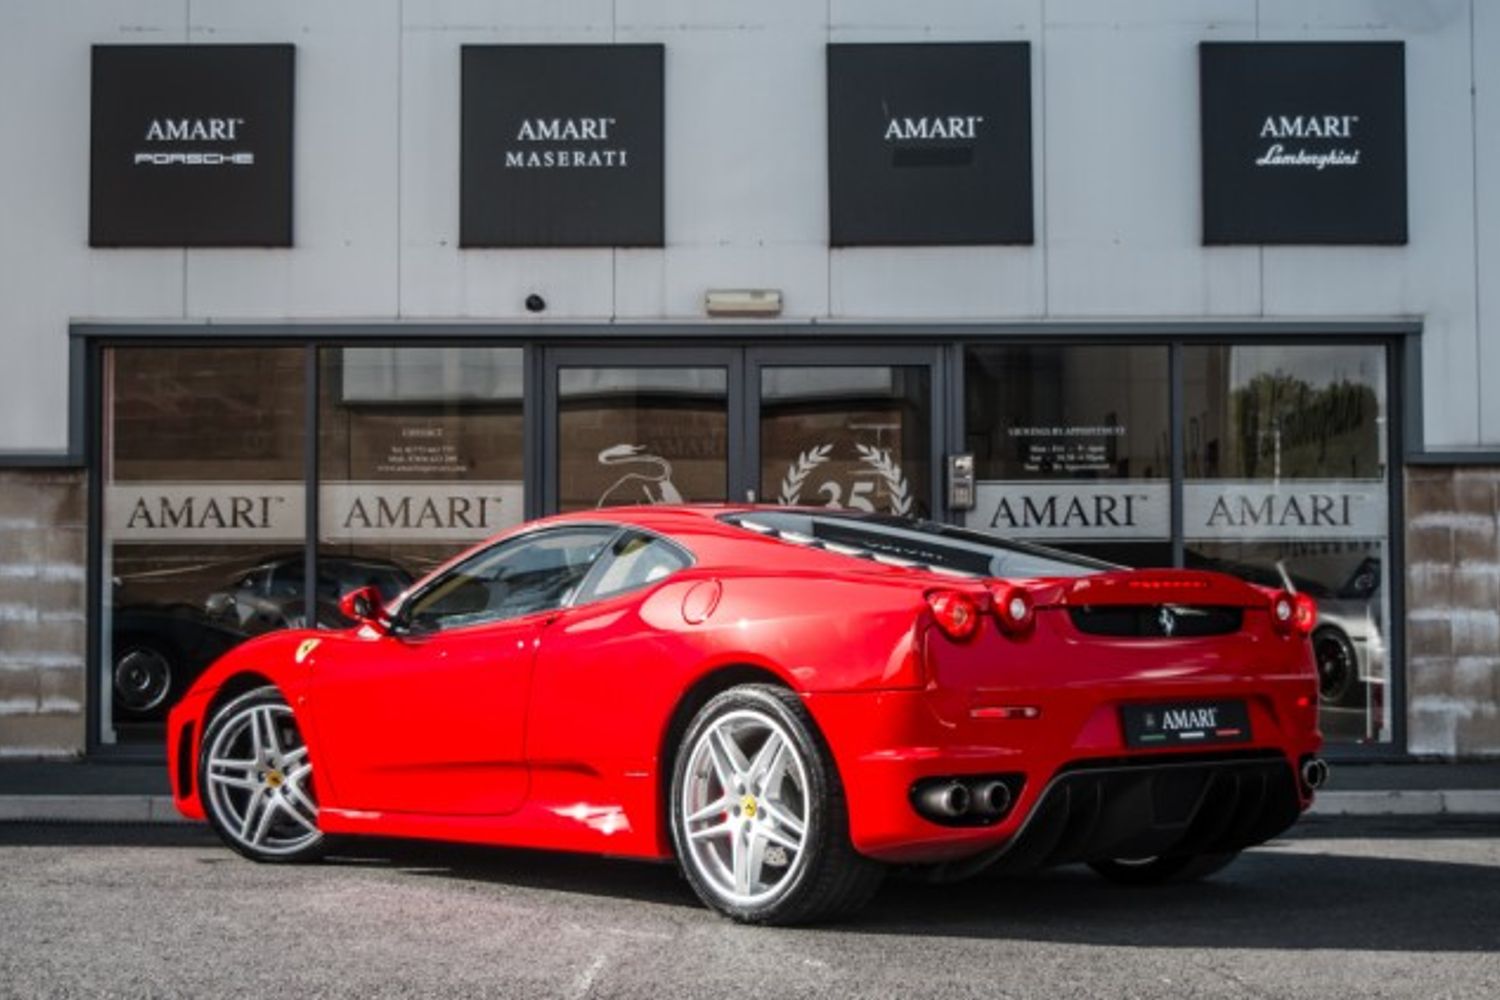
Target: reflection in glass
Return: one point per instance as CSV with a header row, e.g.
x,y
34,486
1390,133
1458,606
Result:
x,y
642,436
203,505
1284,412
419,457
1072,447
1286,486
855,437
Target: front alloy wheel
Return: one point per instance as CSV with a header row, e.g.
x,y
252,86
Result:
x,y
256,780
758,814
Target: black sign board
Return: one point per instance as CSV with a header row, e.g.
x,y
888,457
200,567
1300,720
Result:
x,y
192,146
929,143
562,146
1303,142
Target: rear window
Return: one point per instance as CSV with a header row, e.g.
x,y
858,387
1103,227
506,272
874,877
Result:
x,y
923,545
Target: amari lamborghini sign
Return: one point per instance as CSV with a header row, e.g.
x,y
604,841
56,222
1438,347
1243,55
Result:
x,y
1303,142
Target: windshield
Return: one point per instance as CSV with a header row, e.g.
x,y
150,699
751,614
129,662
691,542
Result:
x,y
917,544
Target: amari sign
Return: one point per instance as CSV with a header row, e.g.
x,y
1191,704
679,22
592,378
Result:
x,y
1303,142
929,144
562,146
192,146
1295,510
276,512
1107,510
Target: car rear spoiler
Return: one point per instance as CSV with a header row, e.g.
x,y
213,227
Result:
x,y
1149,586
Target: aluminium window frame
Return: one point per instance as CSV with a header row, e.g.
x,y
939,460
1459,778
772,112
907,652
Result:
x,y
88,342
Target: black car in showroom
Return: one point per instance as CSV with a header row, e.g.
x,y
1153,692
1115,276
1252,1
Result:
x,y
157,650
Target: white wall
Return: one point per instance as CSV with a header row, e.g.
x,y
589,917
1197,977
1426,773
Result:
x,y
1115,146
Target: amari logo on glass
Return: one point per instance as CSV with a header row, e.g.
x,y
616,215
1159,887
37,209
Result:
x,y
192,130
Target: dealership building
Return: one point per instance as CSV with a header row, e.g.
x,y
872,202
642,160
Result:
x,y
302,296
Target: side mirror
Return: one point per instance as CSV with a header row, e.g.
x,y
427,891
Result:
x,y
364,606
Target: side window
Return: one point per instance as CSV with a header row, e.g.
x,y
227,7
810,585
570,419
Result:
x,y
515,578
634,560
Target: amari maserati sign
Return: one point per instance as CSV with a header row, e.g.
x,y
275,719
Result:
x,y
1303,142
929,144
562,146
191,146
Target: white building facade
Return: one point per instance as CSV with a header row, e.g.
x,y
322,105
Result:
x,y
301,295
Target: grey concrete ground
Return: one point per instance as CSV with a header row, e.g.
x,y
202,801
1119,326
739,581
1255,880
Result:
x,y
1339,908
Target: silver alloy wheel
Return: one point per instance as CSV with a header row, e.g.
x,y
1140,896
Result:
x,y
744,808
259,781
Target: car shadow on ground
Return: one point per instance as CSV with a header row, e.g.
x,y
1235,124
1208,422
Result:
x,y
1286,895
1301,892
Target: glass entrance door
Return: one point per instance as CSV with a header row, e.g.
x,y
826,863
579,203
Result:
x,y
640,426
853,428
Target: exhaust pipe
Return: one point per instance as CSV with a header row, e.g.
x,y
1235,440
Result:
x,y
947,799
991,798
1314,772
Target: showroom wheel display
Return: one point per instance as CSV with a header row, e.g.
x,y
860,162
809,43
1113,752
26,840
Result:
x,y
256,780
143,674
1157,871
1338,665
758,814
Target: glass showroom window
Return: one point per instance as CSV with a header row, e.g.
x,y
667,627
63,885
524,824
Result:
x,y
419,457
203,514
641,435
847,436
1286,462
1072,447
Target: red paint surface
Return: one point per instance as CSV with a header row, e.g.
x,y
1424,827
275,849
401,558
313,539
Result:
x,y
551,730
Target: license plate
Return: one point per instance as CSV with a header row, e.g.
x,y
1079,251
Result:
x,y
1198,723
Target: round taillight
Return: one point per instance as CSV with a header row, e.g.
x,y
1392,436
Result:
x,y
1304,613
1014,609
1282,610
955,613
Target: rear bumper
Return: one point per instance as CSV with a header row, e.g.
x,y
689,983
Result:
x,y
1069,769
1098,810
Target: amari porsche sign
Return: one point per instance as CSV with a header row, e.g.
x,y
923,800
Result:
x,y
562,146
929,144
191,146
1303,142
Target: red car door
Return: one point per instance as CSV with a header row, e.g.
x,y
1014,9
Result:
x,y
432,717
426,723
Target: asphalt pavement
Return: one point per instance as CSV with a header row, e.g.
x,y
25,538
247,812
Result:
x,y
1341,907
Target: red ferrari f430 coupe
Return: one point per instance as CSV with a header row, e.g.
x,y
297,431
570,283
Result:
x,y
786,701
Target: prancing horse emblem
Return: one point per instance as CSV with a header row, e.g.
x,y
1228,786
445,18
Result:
x,y
1168,622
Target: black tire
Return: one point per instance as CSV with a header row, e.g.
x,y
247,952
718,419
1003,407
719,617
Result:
x,y
144,673
828,878
1163,870
299,845
1338,666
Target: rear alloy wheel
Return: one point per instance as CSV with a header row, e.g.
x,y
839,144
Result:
x,y
1156,871
256,780
758,814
